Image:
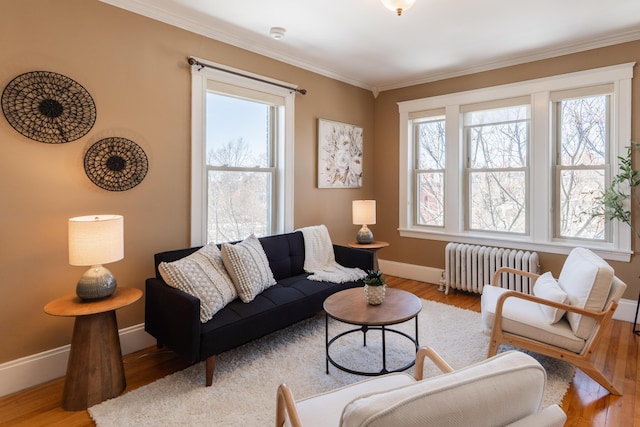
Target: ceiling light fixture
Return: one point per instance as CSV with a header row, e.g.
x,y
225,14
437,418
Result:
x,y
277,32
398,6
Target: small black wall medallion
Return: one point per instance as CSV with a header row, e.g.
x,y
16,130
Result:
x,y
115,164
48,107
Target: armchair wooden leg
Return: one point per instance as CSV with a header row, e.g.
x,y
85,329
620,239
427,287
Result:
x,y
285,404
210,365
598,377
494,343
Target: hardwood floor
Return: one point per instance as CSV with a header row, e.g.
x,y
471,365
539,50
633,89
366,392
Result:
x,y
586,403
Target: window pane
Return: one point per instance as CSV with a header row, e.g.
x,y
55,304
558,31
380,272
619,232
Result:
x,y
238,205
583,131
501,145
431,144
431,199
583,139
238,132
498,201
578,190
498,139
497,115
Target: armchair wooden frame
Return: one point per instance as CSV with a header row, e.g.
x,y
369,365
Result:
x,y
582,360
285,403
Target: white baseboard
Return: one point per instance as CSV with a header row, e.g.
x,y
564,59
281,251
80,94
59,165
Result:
x,y
411,271
51,364
625,311
42,367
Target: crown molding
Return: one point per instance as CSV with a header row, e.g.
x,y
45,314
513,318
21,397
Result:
x,y
248,41
523,58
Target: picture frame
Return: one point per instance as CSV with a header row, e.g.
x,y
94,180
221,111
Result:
x,y
340,155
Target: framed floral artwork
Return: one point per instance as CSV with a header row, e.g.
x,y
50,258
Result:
x,y
339,155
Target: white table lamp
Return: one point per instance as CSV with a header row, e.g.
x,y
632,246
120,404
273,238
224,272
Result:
x,y
95,240
364,213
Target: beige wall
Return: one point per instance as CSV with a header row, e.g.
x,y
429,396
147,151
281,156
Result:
x,y
136,71
429,252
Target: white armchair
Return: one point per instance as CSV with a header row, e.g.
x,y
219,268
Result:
x,y
562,319
503,390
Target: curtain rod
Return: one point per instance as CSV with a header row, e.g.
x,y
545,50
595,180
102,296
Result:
x,y
193,61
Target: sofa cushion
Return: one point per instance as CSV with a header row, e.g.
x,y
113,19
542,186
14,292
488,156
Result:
x,y
524,318
456,399
285,253
248,267
547,287
586,278
203,275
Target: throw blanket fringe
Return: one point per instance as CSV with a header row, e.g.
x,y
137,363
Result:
x,y
319,258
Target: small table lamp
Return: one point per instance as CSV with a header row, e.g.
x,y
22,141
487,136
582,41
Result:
x,y
95,240
364,213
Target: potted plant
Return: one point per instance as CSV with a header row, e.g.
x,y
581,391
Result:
x,y
374,287
616,200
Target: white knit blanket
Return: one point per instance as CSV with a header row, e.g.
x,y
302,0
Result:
x,y
320,260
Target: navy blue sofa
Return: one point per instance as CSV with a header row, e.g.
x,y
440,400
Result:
x,y
173,316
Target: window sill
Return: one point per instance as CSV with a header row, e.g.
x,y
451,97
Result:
x,y
606,251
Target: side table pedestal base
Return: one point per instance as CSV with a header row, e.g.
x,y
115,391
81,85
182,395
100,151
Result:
x,y
94,371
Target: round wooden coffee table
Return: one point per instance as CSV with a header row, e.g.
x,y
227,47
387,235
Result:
x,y
349,306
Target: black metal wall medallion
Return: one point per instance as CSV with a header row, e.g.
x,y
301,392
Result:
x,y
116,164
48,107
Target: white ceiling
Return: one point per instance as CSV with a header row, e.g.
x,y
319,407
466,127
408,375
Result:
x,y
363,43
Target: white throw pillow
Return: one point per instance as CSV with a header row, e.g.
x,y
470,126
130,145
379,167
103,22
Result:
x,y
587,279
248,267
201,274
547,287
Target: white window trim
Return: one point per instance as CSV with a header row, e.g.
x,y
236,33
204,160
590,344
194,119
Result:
x,y
541,232
283,209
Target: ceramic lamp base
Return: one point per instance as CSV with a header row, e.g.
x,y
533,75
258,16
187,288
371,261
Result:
x,y
364,236
96,283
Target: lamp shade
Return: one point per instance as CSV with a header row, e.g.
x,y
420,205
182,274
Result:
x,y
398,6
364,212
96,239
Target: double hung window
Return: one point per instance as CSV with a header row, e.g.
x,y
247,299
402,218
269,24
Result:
x,y
582,127
241,136
430,155
519,165
497,143
242,149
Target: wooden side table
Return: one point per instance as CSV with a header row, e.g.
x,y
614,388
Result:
x,y
374,247
95,371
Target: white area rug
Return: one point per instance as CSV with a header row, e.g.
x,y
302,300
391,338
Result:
x,y
245,380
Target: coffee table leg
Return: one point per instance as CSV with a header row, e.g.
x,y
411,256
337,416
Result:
x,y
364,328
384,352
326,341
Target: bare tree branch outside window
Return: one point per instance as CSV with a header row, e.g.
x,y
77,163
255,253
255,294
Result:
x,y
498,146
240,171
